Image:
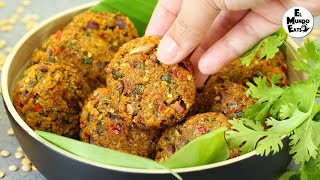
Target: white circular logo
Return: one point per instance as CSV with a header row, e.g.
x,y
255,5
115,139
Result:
x,y
297,22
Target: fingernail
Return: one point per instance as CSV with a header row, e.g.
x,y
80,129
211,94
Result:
x,y
208,66
167,50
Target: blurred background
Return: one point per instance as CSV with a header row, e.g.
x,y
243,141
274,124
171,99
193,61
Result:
x,y
17,17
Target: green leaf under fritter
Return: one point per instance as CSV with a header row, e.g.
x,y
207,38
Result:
x,y
206,149
102,155
139,11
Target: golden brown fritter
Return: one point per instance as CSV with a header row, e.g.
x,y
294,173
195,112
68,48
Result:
x,y
114,28
241,74
50,97
153,95
174,138
102,125
89,54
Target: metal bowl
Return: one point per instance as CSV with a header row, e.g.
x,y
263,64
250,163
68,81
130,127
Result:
x,y
55,163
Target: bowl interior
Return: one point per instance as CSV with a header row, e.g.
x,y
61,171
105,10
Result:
x,y
21,56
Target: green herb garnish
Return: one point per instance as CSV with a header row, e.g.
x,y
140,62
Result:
x,y
268,47
294,112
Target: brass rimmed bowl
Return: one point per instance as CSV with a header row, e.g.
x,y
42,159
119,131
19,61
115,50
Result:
x,y
55,163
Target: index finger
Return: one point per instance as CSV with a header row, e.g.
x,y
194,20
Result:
x,y
163,17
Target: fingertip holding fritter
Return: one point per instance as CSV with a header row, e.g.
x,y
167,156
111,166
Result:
x,y
50,97
104,126
174,138
153,95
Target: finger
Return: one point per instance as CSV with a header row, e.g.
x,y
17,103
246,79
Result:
x,y
250,30
190,26
236,5
162,17
312,5
221,25
200,78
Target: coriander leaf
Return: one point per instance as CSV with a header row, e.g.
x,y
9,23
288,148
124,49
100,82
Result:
x,y
271,46
302,145
308,60
268,47
257,112
276,78
248,56
289,175
206,149
265,94
286,110
311,169
245,131
262,91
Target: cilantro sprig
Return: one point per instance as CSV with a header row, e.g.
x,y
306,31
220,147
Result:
x,y
267,47
292,111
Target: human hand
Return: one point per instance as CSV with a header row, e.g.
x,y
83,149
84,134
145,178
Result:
x,y
216,32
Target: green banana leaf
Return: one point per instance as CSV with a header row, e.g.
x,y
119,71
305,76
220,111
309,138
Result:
x,y
139,11
206,149
102,155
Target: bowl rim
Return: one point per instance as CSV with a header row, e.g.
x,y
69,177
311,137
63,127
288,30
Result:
x,y
26,128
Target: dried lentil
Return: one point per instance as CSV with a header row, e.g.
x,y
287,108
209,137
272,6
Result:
x,y
13,168
19,155
2,174
10,132
5,153
25,161
26,168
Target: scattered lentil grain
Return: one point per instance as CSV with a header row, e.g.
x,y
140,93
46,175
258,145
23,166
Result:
x,y
5,153
26,2
2,4
26,168
10,132
20,10
8,49
19,155
2,174
2,43
19,149
33,168
25,161
13,168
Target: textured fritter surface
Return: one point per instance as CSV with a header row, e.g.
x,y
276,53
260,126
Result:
x,y
102,125
175,137
153,95
114,28
50,97
238,73
89,54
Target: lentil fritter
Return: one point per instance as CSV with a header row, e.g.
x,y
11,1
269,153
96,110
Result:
x,y
174,138
153,95
114,28
102,125
238,73
50,97
89,54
